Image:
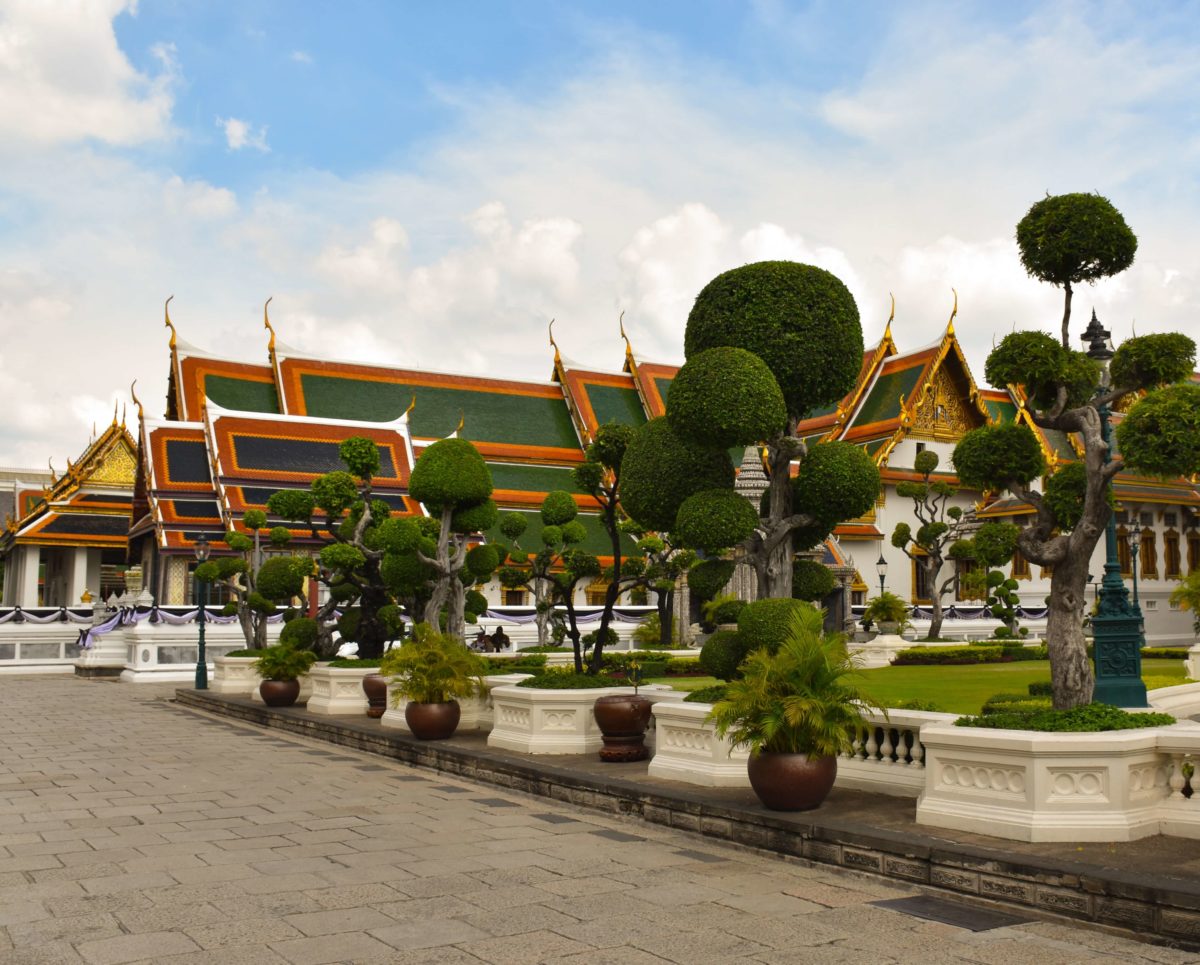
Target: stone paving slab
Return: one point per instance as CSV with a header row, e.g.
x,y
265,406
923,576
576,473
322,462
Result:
x,y
412,874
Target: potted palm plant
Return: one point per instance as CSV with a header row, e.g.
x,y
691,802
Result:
x,y
795,710
887,610
281,668
430,670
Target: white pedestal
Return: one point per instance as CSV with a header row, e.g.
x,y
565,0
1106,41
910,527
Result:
x,y
687,748
476,711
338,691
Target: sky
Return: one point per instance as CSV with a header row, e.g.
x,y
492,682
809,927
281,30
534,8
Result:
x,y
430,184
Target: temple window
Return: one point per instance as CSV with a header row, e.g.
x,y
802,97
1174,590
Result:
x,y
514,597
595,593
1123,555
1172,558
920,581
1149,555
1193,544
1020,566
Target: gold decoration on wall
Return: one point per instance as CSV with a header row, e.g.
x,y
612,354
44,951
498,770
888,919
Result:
x,y
942,413
118,468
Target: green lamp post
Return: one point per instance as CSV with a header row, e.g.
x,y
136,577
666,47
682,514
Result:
x,y
202,551
1117,626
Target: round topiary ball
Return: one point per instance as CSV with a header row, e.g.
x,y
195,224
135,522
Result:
x,y
660,470
475,519
811,581
726,397
764,623
708,578
799,319
837,481
559,507
722,653
990,456
299,634
451,472
715,519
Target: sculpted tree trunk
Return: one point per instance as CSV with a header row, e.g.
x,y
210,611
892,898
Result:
x,y
1070,669
448,590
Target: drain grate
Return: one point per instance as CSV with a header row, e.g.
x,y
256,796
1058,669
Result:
x,y
954,913
699,856
495,802
450,789
554,818
617,835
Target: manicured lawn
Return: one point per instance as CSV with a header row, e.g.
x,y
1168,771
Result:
x,y
957,690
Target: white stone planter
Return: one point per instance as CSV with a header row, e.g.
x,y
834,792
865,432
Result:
x,y
337,691
476,711
688,749
879,651
1031,786
155,653
533,721
234,675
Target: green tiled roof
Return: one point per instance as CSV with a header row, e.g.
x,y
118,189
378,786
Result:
x,y
884,400
664,385
597,541
1060,444
1001,411
490,416
532,479
241,395
614,404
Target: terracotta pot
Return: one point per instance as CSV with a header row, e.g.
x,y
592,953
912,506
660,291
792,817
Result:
x,y
279,693
623,719
791,782
375,687
432,722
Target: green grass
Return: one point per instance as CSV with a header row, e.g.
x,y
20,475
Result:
x,y
956,690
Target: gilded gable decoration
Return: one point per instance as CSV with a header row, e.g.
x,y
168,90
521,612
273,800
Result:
x,y
941,412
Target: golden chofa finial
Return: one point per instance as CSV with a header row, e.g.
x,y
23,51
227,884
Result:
x,y
122,415
136,400
953,313
461,420
412,405
167,321
267,326
554,345
53,475
892,314
115,403
628,344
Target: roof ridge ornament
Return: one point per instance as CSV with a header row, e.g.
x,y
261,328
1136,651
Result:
x,y
412,405
267,326
167,321
621,326
554,344
953,313
461,421
136,400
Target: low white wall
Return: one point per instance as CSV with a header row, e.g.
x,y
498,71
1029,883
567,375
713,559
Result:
x,y
158,652
38,648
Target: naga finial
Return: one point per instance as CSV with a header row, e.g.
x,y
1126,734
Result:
x,y
167,320
115,402
621,326
267,326
412,405
554,344
461,420
953,313
136,400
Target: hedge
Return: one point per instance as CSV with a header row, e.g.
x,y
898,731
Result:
x,y
930,656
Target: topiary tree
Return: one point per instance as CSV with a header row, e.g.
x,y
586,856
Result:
x,y
1158,436
928,548
991,547
658,567
1068,238
812,581
455,485
766,344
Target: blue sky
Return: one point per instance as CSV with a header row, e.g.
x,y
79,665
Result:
x,y
431,183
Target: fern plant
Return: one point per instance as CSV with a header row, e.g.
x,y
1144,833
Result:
x,y
434,668
799,700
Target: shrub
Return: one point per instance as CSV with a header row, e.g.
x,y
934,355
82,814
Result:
x,y
566,679
722,609
533,663
548,648
930,656
353,663
706,695
434,668
1164,653
915,703
722,653
765,623
811,581
450,473
1084,719
724,397
1014,703
1041,688
683,666
244,653
282,662
714,519
708,578
886,608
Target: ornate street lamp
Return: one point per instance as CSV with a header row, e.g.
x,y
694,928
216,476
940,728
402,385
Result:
x,y
881,569
1117,625
202,550
1135,547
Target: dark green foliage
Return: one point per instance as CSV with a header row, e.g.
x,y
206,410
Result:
x,y
708,578
1041,364
926,462
660,471
450,473
293,504
558,508
1041,688
800,320
991,457
254,519
349,622
962,549
608,448
706,695
715,519
811,581
995,542
569,680
476,603
954,656
284,662
512,525
361,456
282,577
1088,718
398,535
341,556
404,573
239,542
1160,435
764,623
334,492
1150,361
837,481
723,609
279,536
588,476
809,537
721,654
300,633
526,663
1064,494
1069,238
477,518
482,561
725,397
551,536
354,663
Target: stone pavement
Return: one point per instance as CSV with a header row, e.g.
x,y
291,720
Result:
x,y
134,830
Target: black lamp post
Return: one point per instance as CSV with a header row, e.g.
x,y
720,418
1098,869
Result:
x,y
202,550
1135,547
1117,625
881,569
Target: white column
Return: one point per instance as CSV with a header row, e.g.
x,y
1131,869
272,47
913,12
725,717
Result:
x,y
93,572
10,573
77,580
27,587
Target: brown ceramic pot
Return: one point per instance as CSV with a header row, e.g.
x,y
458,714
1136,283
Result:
x,y
279,693
375,687
623,719
432,722
791,782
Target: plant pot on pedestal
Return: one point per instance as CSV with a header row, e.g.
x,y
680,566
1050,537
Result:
x,y
791,782
281,666
375,686
430,671
279,693
432,721
623,719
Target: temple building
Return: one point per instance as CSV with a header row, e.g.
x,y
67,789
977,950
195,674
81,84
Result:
x,y
234,431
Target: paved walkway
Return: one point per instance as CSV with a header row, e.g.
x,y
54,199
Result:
x,y
132,830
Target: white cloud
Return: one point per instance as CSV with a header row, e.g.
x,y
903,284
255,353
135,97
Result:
x,y
240,134
63,77
198,198
301,57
